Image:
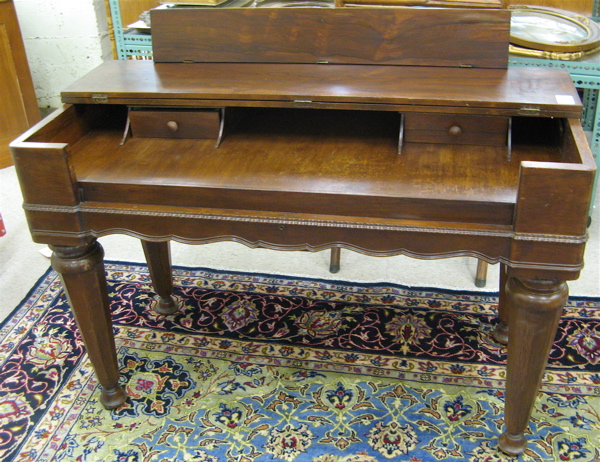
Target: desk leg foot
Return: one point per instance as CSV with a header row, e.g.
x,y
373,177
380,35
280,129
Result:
x,y
500,333
512,445
158,257
536,307
82,273
112,398
166,305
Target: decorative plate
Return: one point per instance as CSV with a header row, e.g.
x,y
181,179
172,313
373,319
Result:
x,y
551,29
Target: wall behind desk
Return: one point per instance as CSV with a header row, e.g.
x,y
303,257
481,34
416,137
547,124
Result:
x,y
64,39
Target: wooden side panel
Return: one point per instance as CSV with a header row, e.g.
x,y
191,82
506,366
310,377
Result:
x,y
44,174
546,257
398,36
62,126
42,160
554,198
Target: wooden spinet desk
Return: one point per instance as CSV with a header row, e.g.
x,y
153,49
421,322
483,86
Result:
x,y
409,147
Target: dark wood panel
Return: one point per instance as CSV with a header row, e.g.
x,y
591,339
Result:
x,y
45,164
439,210
65,125
558,190
297,236
446,90
398,36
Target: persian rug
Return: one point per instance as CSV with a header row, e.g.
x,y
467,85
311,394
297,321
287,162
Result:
x,y
258,367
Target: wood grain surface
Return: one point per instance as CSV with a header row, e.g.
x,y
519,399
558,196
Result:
x,y
405,88
382,36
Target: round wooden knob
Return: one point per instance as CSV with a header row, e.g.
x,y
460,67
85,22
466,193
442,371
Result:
x,y
172,125
455,130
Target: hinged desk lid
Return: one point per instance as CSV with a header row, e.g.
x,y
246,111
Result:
x,y
449,37
404,59
513,91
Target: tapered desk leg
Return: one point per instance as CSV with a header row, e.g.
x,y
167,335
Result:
x,y
537,307
481,276
500,333
158,257
334,262
82,273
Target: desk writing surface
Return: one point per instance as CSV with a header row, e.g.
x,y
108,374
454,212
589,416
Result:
x,y
306,160
488,91
349,152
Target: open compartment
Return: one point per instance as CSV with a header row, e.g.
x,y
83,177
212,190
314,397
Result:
x,y
309,161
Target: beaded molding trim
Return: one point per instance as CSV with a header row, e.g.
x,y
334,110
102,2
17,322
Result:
x,y
535,237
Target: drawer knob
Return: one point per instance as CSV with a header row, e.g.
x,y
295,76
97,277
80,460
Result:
x,y
455,130
172,125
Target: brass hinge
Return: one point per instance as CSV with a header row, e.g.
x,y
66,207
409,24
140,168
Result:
x,y
530,111
303,102
99,98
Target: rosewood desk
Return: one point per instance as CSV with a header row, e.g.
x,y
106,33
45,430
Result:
x,y
420,156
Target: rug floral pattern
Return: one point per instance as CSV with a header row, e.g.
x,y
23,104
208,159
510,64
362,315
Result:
x,y
269,368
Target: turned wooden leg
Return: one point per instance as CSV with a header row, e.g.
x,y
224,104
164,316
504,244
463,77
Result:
x,y
82,273
158,257
481,276
334,264
500,333
533,323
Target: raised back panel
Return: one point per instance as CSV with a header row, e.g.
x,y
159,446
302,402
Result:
x,y
383,36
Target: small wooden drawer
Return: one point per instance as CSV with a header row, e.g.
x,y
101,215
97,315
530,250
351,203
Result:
x,y
180,123
455,129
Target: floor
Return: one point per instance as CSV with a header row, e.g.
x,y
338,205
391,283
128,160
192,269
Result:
x,y
23,262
